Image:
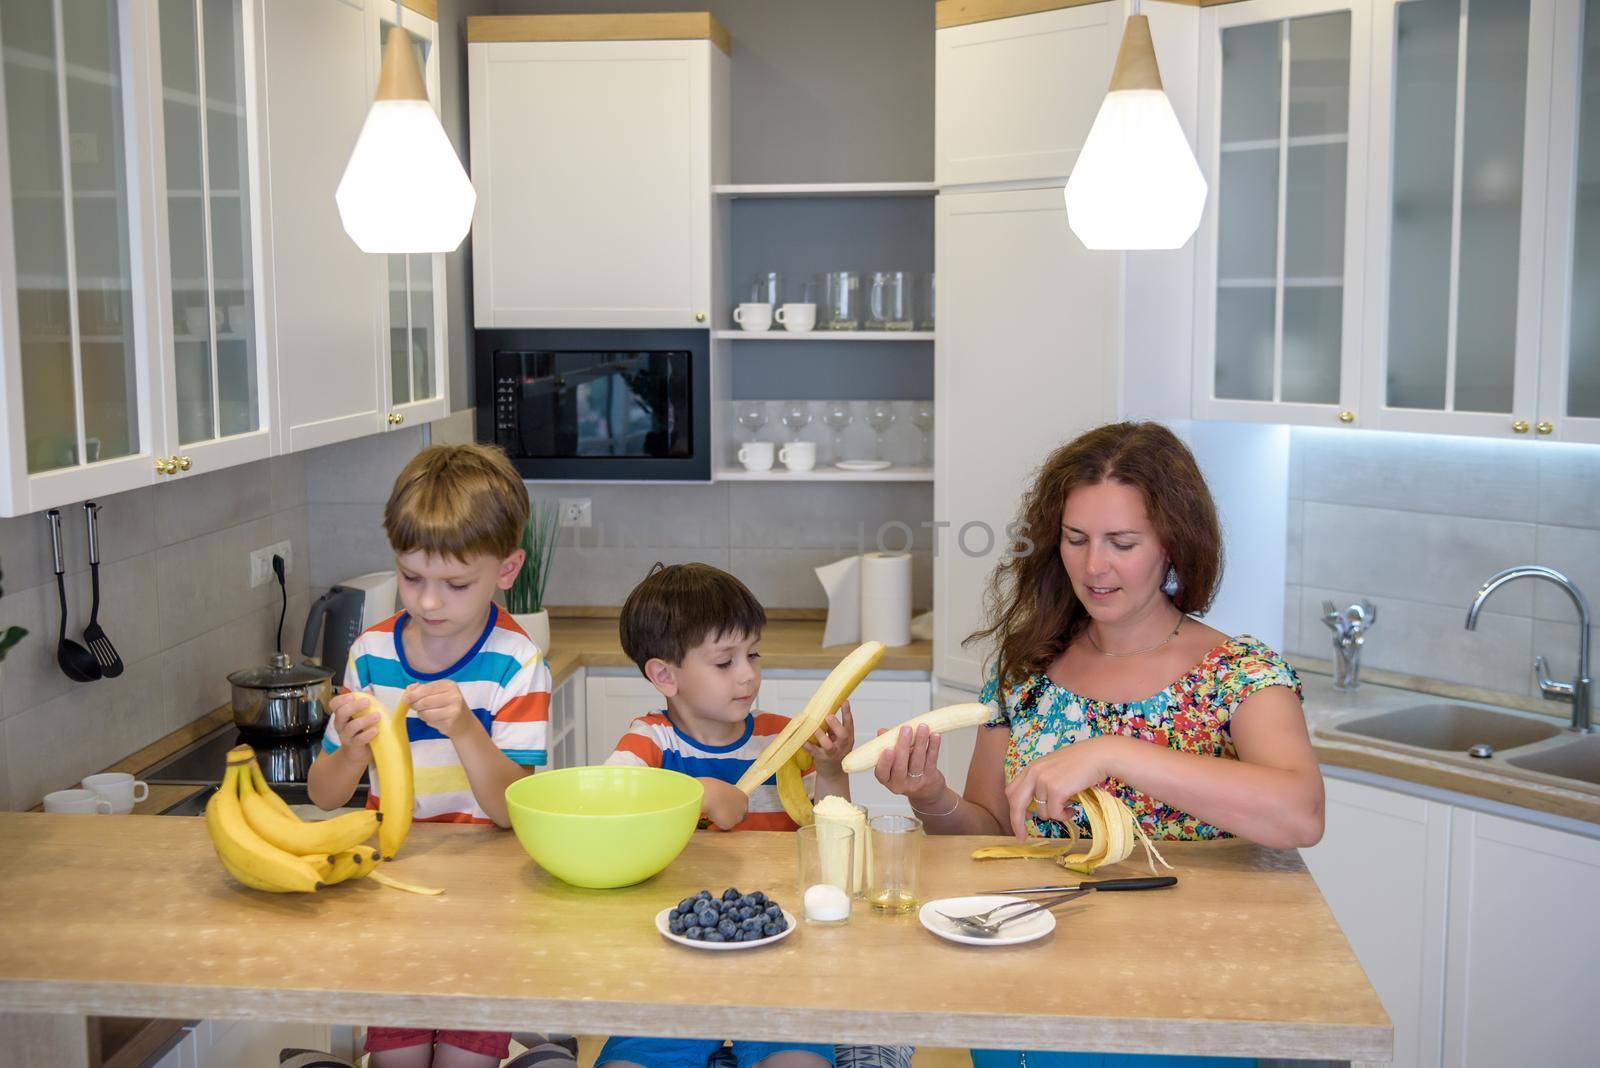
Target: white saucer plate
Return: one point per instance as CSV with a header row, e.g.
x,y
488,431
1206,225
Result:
x,y
1025,930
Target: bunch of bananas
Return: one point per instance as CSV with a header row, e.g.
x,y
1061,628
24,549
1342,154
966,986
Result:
x,y
264,845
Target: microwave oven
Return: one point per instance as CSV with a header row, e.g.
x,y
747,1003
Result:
x,y
597,405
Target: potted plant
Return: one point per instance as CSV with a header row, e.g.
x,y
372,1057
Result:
x,y
525,598
9,636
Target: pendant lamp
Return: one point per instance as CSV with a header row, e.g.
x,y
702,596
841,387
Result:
x,y
404,189
1136,184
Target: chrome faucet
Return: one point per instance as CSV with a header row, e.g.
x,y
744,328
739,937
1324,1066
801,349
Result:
x,y
1579,690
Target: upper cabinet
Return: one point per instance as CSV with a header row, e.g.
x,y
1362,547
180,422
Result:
x,y
1282,133
594,149
1015,97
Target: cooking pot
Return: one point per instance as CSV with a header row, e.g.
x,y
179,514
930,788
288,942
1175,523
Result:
x,y
281,698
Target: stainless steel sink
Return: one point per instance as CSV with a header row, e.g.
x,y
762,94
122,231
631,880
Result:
x,y
1452,728
1578,760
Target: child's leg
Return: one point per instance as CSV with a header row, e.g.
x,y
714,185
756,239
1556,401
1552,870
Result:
x,y
471,1049
408,1057
783,1055
400,1047
795,1058
454,1057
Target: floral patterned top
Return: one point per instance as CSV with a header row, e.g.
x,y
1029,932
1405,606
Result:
x,y
1191,715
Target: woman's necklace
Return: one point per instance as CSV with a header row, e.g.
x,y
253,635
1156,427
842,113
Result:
x,y
1137,652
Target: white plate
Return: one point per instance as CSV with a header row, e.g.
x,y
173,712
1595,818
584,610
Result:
x,y
661,925
1025,930
863,465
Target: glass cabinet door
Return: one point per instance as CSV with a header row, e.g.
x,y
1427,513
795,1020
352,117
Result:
x,y
1464,205
1282,126
82,368
415,347
217,379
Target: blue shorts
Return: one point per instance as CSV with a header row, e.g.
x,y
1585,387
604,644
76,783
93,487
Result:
x,y
1010,1058
696,1052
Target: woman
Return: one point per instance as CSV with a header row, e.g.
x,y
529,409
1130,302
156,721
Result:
x,y
1102,676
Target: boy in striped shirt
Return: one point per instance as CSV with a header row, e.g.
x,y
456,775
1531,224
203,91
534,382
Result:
x,y
477,687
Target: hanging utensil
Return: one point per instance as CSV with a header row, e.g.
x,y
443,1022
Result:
x,y
77,663
105,654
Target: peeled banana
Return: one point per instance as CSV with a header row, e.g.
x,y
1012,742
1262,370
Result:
x,y
798,731
391,751
835,809
939,721
1112,829
282,828
792,792
248,857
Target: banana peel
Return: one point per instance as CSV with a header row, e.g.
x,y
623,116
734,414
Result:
x,y
798,731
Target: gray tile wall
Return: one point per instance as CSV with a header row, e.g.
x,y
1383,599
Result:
x,y
175,600
1416,523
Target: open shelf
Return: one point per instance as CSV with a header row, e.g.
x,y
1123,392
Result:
x,y
779,334
829,189
824,473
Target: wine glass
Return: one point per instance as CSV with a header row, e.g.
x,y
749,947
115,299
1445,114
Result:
x,y
796,416
752,416
922,419
836,415
880,417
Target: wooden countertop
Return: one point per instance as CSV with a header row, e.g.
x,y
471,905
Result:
x,y
1241,958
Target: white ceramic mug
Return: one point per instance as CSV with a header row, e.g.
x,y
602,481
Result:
x,y
119,788
753,317
197,317
85,801
798,318
798,455
756,455
238,322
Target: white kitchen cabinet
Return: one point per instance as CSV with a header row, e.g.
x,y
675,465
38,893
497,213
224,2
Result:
x,y
567,741
611,702
1522,944
1382,866
955,748
874,705
1458,165
594,162
327,295
1015,97
1279,254
1026,358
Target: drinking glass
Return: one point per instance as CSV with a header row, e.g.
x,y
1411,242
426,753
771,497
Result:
x,y
880,417
922,419
924,301
796,416
752,416
827,855
841,301
836,415
889,301
767,288
896,857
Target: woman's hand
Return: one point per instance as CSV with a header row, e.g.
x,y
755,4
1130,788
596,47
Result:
x,y
911,767
1049,784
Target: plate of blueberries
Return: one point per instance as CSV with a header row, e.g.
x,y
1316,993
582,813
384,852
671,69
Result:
x,y
736,920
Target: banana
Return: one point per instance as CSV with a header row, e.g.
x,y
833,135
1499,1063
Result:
x,y
353,863
323,862
939,721
292,834
246,855
792,792
835,809
1032,851
391,752
395,884
259,781
828,697
1113,832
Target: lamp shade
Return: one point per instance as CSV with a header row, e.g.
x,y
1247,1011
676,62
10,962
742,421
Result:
x,y
404,189
1136,184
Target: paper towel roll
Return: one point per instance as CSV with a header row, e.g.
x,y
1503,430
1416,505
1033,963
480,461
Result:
x,y
886,598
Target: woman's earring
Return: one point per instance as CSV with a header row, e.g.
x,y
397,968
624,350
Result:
x,y
1170,586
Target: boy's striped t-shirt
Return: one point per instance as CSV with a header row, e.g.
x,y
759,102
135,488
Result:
x,y
653,741
504,680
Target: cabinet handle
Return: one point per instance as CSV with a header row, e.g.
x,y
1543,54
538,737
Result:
x,y
1347,417
1545,427
182,463
165,466
396,418
699,317
1520,426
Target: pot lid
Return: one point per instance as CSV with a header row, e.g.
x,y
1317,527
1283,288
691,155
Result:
x,y
279,673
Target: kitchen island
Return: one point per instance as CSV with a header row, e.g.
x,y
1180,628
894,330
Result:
x,y
135,917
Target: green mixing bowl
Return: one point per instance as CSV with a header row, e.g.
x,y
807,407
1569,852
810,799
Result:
x,y
603,827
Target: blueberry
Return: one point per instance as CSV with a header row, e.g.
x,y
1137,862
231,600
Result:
x,y
773,912
695,932
730,894
687,905
707,917
714,936
676,925
728,928
704,895
758,899
769,929
754,924
746,900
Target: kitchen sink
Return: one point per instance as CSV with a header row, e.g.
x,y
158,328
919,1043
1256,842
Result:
x,y
1454,728
1578,760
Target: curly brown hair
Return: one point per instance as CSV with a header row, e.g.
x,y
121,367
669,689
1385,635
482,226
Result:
x,y
1032,610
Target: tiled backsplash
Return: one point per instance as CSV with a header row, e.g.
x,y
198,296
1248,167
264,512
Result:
x,y
175,600
1416,523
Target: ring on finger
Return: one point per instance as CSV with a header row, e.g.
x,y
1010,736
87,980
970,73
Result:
x,y
914,775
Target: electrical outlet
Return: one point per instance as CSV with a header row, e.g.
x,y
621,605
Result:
x,y
575,511
261,563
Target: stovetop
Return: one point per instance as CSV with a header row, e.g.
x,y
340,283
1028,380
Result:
x,y
284,762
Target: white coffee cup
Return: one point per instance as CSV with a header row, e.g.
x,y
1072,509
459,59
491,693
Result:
x,y
756,455
798,455
197,317
85,801
119,788
753,317
798,318
238,322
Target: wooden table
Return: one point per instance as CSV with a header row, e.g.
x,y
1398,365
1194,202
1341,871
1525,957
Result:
x,y
135,917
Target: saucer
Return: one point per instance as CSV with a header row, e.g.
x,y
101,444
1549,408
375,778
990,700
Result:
x,y
862,465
